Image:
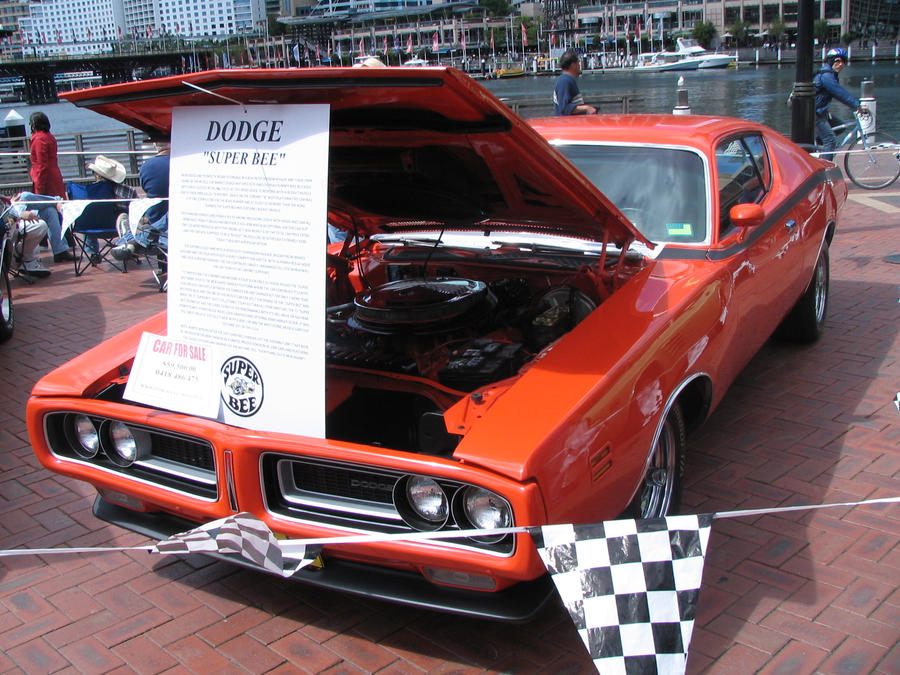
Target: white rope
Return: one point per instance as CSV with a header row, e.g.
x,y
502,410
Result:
x,y
292,547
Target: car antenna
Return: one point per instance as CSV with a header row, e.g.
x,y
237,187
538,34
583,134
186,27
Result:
x,y
212,93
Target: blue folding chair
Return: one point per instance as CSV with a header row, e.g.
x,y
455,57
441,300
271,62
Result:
x,y
94,231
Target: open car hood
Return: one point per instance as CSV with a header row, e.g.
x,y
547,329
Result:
x,y
410,148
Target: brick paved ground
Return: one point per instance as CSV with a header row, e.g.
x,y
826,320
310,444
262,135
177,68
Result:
x,y
802,593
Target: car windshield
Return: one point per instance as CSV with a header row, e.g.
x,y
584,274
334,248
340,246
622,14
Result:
x,y
662,191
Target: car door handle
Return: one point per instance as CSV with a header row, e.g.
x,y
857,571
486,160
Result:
x,y
790,224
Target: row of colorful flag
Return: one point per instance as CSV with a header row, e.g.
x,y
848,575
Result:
x,y
38,37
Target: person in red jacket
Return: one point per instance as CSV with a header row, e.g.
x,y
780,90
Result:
x,y
45,172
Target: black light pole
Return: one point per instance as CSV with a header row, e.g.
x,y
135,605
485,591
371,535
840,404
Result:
x,y
803,100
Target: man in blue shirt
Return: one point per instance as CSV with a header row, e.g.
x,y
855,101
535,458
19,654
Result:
x,y
828,87
567,98
154,175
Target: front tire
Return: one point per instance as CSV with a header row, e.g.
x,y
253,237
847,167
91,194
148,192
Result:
x,y
7,317
660,491
872,167
806,322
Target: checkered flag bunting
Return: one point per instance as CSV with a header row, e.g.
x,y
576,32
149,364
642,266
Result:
x,y
631,587
242,534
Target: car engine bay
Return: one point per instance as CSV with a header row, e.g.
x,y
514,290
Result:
x,y
411,330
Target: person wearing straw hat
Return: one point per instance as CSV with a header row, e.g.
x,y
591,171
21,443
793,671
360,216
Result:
x,y
109,169
113,172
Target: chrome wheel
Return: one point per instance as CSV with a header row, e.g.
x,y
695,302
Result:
x,y
806,321
6,306
820,290
659,481
660,490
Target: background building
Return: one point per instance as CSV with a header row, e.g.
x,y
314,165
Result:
x,y
71,26
863,19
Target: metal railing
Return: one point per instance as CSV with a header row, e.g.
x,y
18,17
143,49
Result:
x,y
532,106
75,152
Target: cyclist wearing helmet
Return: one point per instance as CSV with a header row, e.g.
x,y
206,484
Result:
x,y
828,87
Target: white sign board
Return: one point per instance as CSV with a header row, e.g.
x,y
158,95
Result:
x,y
175,375
247,223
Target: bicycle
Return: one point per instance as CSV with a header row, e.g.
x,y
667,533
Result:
x,y
872,161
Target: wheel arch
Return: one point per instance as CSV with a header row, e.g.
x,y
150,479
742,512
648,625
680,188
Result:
x,y
829,231
694,397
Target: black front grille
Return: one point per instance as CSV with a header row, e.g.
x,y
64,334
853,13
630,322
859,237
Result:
x,y
343,482
197,454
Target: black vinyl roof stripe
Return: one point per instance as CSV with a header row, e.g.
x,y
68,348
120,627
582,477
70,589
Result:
x,y
772,220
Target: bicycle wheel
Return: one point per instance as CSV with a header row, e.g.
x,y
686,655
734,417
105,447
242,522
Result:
x,y
871,166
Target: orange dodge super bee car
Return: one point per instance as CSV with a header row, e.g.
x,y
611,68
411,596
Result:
x,y
524,320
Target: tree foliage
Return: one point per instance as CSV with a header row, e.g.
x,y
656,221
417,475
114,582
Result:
x,y
778,29
740,31
497,7
820,29
276,28
704,32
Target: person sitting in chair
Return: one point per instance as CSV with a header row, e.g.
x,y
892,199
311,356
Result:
x,y
34,230
113,172
49,213
154,175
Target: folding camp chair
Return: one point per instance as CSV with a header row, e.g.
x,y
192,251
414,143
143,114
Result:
x,y
94,230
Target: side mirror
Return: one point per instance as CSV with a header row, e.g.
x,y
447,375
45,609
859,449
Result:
x,y
746,215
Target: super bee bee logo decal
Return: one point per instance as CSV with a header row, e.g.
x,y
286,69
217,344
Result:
x,y
242,386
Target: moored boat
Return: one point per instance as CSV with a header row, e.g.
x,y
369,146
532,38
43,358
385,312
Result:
x,y
689,56
663,61
707,59
509,69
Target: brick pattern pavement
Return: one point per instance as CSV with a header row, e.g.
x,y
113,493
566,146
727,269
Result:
x,y
798,593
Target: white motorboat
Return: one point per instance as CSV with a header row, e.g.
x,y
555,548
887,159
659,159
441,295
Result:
x,y
662,61
688,56
692,50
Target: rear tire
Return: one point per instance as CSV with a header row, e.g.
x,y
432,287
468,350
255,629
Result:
x,y
806,321
659,493
872,169
7,316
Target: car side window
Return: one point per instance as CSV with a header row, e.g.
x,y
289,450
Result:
x,y
757,149
744,174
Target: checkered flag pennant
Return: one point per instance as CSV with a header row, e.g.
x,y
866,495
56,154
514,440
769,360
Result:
x,y
241,534
631,587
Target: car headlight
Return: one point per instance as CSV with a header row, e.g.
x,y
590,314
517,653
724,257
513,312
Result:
x,y
486,509
427,500
124,448
87,440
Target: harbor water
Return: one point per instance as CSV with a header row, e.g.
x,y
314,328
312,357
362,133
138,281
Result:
x,y
757,93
